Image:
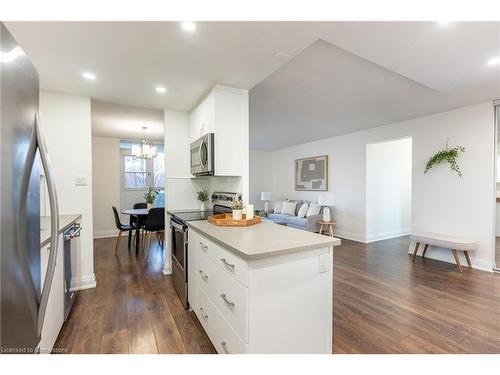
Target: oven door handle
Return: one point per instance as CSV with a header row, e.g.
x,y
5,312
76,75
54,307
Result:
x,y
178,226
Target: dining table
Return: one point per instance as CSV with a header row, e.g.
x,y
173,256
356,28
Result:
x,y
140,214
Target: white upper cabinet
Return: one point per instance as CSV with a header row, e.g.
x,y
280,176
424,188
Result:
x,y
224,112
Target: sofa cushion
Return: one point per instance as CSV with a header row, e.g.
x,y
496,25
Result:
x,y
296,221
314,209
289,208
297,206
278,218
303,210
278,206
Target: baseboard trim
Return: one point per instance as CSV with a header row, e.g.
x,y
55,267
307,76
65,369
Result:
x,y
84,282
387,235
348,236
445,255
108,234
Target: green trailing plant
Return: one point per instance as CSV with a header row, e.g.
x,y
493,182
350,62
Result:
x,y
447,155
202,195
237,204
150,195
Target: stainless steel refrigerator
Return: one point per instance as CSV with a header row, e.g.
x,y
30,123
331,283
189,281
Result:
x,y
22,154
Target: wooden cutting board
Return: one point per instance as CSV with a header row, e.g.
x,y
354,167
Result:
x,y
226,220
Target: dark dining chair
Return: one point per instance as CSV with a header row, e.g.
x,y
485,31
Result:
x,y
133,220
121,227
155,222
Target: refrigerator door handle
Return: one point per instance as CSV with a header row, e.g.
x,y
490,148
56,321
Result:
x,y
54,224
22,251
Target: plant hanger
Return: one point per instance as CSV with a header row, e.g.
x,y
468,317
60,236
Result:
x,y
446,155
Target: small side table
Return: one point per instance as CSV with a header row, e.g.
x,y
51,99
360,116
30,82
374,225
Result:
x,y
329,224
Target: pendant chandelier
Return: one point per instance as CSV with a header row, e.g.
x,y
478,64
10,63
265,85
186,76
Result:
x,y
146,150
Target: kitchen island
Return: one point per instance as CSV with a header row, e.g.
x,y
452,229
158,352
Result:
x,y
265,288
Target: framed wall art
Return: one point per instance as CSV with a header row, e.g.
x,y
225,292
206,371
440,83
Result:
x,y
311,174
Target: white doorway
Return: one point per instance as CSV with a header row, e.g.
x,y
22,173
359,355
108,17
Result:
x,y
388,189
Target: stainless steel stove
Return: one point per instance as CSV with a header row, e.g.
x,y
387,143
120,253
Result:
x,y
221,202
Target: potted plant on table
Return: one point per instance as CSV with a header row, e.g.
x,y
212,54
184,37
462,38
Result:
x,y
237,207
202,197
150,196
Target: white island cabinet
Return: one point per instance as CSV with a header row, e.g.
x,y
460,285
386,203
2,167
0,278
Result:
x,y
262,289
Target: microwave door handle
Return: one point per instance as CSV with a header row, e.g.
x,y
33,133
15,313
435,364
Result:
x,y
199,153
54,224
22,253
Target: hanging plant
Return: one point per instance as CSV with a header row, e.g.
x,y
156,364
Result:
x,y
447,155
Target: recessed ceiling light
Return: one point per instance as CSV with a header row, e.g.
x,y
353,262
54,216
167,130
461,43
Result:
x,y
188,26
494,61
161,89
88,75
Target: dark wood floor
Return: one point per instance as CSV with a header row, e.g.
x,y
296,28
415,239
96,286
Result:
x,y
383,303
134,309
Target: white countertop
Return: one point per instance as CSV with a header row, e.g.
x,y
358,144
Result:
x,y
64,222
263,240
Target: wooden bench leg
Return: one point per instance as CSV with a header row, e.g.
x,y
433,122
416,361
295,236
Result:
x,y
321,229
468,259
417,244
425,250
457,260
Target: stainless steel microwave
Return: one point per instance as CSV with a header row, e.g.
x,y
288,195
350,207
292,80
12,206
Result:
x,y
202,156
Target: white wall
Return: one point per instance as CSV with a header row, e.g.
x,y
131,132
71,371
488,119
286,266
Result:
x,y
180,193
67,128
388,189
261,176
105,184
441,201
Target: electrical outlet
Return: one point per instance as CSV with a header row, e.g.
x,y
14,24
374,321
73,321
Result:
x,y
81,180
324,263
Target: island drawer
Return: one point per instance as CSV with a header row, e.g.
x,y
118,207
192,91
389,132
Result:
x,y
205,275
225,259
232,264
231,299
223,337
225,292
199,243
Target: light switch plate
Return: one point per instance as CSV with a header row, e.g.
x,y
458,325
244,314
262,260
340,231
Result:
x,y
81,180
324,263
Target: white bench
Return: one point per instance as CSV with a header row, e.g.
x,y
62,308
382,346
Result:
x,y
453,243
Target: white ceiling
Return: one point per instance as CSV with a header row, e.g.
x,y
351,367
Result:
x,y
126,122
375,74
409,69
131,58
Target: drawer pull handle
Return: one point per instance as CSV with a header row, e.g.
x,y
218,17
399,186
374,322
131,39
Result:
x,y
223,260
203,246
203,315
203,276
224,346
228,302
